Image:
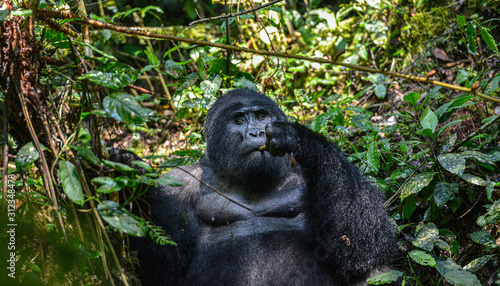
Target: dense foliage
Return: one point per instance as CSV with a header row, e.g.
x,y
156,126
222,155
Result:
x,y
69,91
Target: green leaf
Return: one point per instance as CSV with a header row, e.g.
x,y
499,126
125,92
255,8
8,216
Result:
x,y
429,120
478,156
26,156
448,143
422,258
489,40
169,181
453,163
125,108
454,274
461,20
385,278
152,58
380,91
120,218
87,154
84,136
417,183
174,69
484,238
493,85
373,157
475,180
210,87
470,34
443,192
111,80
412,98
478,263
108,185
143,165
431,95
410,207
109,56
426,236
118,166
70,181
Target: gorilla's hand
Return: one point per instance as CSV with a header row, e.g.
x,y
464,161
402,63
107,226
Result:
x,y
281,138
125,157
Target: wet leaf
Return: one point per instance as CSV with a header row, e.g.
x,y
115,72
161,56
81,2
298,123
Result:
x,y
453,163
444,192
422,258
425,236
124,108
480,157
484,238
416,184
475,180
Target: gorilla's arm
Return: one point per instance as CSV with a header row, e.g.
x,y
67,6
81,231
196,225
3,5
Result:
x,y
344,212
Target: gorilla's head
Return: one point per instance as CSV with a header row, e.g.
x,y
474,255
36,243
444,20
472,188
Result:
x,y
235,129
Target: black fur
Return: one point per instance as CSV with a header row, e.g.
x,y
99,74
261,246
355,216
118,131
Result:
x,y
318,223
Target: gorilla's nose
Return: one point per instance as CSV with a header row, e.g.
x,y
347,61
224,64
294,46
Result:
x,y
255,132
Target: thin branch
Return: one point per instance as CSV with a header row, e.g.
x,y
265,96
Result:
x,y
102,25
227,16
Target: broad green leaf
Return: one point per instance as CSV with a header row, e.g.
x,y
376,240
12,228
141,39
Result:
x,y
70,181
143,165
448,143
125,108
26,155
443,192
475,180
113,80
174,69
480,157
431,95
169,181
425,236
462,76
385,278
118,166
120,218
454,274
108,185
489,40
417,183
460,20
470,34
87,154
412,98
429,120
453,163
109,56
373,157
478,263
245,83
380,91
410,207
493,85
84,135
422,258
484,238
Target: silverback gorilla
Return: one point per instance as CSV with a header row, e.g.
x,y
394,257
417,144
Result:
x,y
296,213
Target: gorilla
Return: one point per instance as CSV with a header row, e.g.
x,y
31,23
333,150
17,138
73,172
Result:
x,y
293,213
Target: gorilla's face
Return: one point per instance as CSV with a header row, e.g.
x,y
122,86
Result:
x,y
235,129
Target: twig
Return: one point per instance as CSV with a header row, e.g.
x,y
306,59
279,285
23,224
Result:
x,y
215,190
102,25
473,134
236,14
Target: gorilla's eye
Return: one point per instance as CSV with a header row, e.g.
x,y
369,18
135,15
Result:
x,y
261,116
239,120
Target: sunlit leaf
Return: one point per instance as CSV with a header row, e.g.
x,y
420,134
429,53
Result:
x,y
489,40
385,278
417,183
454,274
113,80
453,163
26,156
125,108
425,236
422,258
443,192
478,263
